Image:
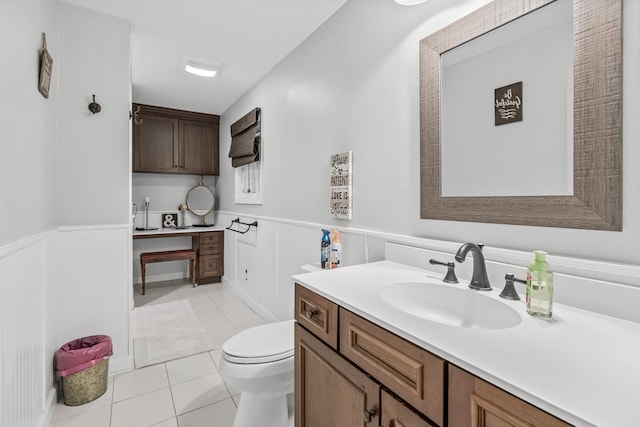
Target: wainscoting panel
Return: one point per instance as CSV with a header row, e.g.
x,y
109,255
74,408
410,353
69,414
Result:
x,y
25,363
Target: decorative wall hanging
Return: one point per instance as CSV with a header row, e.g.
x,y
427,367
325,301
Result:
x,y
341,185
508,105
46,68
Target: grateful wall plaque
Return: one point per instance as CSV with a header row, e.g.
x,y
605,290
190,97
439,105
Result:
x,y
508,104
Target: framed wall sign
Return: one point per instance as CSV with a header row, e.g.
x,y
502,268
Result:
x,y
508,104
341,185
46,67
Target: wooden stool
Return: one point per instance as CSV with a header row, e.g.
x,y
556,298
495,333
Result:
x,y
149,257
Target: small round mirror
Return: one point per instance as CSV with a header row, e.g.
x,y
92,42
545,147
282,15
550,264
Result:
x,y
200,201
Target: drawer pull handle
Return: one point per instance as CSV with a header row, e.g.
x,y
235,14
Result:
x,y
310,313
368,415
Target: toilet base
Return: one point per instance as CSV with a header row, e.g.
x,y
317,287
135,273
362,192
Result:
x,y
255,410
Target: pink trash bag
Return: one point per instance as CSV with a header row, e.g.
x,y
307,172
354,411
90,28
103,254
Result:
x,y
82,353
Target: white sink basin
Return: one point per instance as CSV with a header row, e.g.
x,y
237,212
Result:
x,y
445,304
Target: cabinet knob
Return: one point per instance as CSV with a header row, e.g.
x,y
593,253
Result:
x,y
368,415
310,313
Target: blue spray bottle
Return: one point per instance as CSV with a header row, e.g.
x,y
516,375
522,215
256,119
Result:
x,y
325,249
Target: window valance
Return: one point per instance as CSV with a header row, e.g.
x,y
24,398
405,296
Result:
x,y
245,139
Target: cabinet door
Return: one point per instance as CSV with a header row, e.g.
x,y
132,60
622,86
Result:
x,y
155,144
329,391
409,371
397,414
476,403
198,147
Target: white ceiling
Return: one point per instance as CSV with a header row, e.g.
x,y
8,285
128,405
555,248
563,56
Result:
x,y
249,37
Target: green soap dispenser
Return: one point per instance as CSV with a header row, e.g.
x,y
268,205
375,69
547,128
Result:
x,y
539,286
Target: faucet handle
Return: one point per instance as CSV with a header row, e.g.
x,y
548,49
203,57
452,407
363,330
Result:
x,y
450,277
509,291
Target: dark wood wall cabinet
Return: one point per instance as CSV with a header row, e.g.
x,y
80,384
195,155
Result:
x,y
350,372
175,141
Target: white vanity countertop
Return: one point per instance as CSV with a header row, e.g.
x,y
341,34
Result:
x,y
169,232
581,366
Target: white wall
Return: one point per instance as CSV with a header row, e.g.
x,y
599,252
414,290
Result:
x,y
61,168
93,248
93,171
27,194
28,142
353,85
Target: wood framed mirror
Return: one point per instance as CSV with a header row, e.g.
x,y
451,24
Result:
x,y
595,199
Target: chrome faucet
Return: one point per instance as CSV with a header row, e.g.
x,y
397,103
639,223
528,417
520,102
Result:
x,y
479,280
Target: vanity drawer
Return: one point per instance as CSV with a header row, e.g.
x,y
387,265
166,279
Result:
x,y
211,248
213,237
414,374
210,265
317,314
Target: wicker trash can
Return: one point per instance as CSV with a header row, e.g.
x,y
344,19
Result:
x,y
83,368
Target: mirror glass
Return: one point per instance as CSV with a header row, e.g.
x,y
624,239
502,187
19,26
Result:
x,y
200,200
536,51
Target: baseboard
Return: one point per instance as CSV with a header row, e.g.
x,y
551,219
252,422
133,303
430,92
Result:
x,y
259,309
50,404
120,365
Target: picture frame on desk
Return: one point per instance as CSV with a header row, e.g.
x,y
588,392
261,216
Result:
x,y
169,220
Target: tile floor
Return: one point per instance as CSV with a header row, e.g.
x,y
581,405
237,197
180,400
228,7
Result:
x,y
187,392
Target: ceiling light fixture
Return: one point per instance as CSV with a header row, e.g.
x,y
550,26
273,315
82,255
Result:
x,y
409,2
201,67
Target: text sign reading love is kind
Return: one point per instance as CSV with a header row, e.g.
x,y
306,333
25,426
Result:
x,y
508,104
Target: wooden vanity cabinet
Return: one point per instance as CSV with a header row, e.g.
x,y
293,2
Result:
x,y
476,403
412,373
395,413
344,361
210,249
329,391
175,141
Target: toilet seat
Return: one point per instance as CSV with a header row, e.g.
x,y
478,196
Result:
x,y
261,344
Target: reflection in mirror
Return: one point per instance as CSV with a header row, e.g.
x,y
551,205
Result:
x,y
201,201
536,50
587,196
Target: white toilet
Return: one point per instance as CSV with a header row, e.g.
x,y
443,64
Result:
x,y
258,362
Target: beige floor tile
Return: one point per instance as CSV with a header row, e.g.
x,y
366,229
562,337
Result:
x,y
194,394
140,381
100,417
219,338
189,368
172,422
216,355
222,412
214,322
144,410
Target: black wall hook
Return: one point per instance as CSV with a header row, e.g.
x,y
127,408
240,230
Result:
x,y
94,107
